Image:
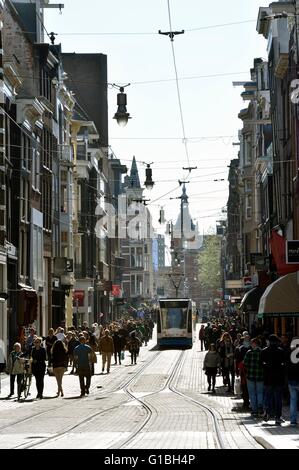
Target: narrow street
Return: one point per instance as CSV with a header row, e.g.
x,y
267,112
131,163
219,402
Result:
x,y
161,403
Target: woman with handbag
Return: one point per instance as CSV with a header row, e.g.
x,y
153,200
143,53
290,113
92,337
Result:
x,y
60,361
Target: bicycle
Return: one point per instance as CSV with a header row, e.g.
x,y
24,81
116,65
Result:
x,y
26,379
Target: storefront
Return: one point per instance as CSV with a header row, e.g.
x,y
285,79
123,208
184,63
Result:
x,y
249,307
279,306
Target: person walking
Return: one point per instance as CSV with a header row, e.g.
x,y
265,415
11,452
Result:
x,y
201,337
227,352
72,342
60,361
50,340
106,348
254,373
273,360
16,369
240,353
293,380
82,357
38,357
119,343
212,362
134,344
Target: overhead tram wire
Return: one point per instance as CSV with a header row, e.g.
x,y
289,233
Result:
x,y
143,82
144,33
171,35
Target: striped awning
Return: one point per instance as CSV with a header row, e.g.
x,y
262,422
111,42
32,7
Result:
x,y
281,298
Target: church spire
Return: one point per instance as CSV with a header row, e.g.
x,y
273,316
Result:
x,y
134,181
184,197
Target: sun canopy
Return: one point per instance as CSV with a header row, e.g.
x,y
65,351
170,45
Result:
x,y
281,298
251,300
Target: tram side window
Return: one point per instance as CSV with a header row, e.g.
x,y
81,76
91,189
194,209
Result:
x,y
190,321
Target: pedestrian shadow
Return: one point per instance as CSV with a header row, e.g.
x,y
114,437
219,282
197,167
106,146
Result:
x,y
74,398
50,398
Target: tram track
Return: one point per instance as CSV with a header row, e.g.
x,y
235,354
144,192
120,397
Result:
x,y
127,385
90,418
169,384
209,411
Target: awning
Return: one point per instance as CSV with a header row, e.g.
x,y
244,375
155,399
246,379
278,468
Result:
x,y
78,298
281,298
251,300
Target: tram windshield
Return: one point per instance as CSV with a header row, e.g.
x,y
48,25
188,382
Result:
x,y
174,318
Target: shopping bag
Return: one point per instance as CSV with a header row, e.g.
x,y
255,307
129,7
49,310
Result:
x,y
238,387
122,356
50,371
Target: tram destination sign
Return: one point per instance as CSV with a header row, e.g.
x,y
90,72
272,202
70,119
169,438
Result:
x,y
292,251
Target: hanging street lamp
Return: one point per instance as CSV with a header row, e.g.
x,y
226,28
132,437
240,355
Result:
x,y
149,183
121,115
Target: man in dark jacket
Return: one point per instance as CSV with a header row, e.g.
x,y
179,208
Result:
x,y
273,360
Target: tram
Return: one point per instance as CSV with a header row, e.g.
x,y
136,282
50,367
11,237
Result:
x,y
176,323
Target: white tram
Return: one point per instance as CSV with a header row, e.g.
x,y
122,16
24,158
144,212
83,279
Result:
x,y
176,323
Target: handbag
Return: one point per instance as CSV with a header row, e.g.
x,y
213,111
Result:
x,y
122,356
50,371
93,357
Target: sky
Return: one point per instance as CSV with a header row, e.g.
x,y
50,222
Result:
x,y
208,59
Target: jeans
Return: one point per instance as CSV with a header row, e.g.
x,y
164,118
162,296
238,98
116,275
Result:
x,y
227,372
294,391
84,372
256,394
273,400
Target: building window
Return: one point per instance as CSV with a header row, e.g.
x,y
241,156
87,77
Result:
x,y
45,83
247,152
133,284
248,186
132,258
64,202
26,152
35,171
64,237
248,207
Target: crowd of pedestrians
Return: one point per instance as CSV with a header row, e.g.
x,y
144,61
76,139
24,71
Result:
x,y
266,367
77,348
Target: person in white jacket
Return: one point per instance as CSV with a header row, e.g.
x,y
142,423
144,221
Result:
x,y
15,368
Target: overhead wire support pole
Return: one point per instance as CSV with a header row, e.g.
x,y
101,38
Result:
x,y
171,34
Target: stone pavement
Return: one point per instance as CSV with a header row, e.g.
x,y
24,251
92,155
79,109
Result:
x,y
109,418
268,435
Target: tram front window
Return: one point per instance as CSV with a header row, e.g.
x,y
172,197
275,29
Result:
x,y
174,318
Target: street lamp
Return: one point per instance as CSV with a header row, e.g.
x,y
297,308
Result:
x,y
122,116
149,183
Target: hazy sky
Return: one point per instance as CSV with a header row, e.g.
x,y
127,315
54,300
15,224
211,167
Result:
x,y
210,105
